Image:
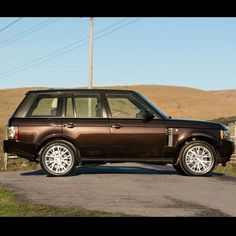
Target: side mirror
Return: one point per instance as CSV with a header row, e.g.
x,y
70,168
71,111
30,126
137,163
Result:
x,y
145,114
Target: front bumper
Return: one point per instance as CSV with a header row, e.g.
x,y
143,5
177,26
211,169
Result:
x,y
226,149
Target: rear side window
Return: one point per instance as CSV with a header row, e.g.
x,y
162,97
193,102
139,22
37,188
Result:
x,y
85,106
45,107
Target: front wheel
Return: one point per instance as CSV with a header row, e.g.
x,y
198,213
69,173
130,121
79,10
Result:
x,y
179,170
197,158
58,158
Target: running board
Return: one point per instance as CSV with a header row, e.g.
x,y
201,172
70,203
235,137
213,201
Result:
x,y
122,159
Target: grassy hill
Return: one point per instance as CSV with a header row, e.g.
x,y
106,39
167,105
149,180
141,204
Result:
x,y
227,93
179,102
9,100
183,102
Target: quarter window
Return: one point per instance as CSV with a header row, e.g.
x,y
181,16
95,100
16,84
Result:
x,y
45,107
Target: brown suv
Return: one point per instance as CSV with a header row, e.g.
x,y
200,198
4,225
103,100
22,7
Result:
x,y
64,128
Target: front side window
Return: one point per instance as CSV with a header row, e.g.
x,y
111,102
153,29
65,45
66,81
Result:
x,y
45,107
124,106
85,106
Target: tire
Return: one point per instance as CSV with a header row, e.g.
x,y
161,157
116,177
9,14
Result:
x,y
197,158
58,158
179,169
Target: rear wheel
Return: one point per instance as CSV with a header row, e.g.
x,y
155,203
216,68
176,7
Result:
x,y
58,158
197,158
179,169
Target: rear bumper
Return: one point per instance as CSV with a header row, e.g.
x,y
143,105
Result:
x,y
226,149
24,150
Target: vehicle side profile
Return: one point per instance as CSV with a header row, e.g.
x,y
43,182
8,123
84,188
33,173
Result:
x,y
61,128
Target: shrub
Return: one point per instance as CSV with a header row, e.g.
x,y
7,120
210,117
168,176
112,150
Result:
x,y
225,120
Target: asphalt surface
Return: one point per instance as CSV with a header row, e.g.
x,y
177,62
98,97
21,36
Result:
x,y
129,188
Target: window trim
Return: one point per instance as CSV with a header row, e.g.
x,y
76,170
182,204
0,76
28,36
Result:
x,y
67,96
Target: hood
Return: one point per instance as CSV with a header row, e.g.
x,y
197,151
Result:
x,y
187,123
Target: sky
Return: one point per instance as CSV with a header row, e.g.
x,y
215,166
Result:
x,y
54,52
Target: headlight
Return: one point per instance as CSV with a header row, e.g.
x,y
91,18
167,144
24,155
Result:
x,y
224,134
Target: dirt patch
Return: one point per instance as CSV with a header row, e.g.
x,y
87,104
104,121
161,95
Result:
x,y
202,211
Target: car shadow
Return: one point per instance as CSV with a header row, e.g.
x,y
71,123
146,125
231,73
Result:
x,y
111,170
120,170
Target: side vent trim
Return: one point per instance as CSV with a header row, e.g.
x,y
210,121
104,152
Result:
x,y
169,133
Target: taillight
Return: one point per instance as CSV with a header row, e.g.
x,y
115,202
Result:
x,y
13,133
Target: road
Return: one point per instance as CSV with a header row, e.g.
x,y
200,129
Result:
x,y
129,188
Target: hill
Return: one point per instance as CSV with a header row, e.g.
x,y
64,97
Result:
x,y
184,102
9,100
227,93
179,102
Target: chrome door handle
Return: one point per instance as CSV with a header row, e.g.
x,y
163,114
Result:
x,y
116,126
70,125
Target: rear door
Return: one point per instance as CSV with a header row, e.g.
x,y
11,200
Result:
x,y
85,123
41,122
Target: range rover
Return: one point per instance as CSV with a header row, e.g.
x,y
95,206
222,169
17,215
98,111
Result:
x,y
63,128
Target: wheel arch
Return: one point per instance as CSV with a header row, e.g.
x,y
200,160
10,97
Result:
x,y
197,137
64,139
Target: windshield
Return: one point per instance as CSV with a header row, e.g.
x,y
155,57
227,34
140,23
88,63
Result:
x,y
155,106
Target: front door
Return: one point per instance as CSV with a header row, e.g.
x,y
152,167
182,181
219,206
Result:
x,y
133,137
85,123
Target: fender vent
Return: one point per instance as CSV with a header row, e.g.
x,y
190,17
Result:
x,y
169,133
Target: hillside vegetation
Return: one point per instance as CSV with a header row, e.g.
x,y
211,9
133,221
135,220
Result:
x,y
9,100
179,102
183,102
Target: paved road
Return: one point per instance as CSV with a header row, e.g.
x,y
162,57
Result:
x,y
130,188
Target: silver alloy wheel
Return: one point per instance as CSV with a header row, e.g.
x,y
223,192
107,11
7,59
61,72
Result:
x,y
199,159
58,159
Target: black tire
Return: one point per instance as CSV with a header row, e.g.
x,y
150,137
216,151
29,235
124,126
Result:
x,y
187,169
179,169
70,152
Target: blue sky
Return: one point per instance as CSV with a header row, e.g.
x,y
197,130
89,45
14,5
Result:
x,y
191,52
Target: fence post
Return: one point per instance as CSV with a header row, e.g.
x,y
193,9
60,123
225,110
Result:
x,y
5,158
4,167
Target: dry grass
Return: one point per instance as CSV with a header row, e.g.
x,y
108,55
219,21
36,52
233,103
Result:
x,y
9,100
179,102
229,169
227,93
182,102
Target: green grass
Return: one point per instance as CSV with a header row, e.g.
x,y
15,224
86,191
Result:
x,y
10,206
229,169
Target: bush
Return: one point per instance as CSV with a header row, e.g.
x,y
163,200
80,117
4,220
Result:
x,y
1,148
225,120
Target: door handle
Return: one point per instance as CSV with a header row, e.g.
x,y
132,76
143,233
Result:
x,y
116,126
70,125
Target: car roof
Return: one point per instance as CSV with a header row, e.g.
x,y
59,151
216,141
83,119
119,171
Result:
x,y
55,90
